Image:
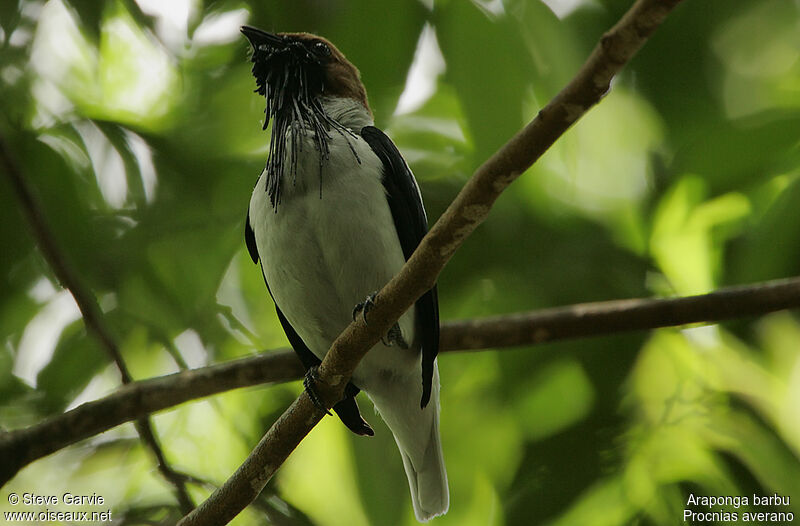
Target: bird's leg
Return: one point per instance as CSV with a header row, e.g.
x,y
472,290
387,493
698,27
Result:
x,y
365,306
309,382
394,336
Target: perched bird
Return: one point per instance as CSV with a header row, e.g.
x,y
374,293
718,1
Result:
x,y
334,215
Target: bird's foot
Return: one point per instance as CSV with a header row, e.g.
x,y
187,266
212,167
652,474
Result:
x,y
395,337
309,382
365,306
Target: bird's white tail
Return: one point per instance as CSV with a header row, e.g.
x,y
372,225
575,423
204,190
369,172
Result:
x,y
427,478
416,432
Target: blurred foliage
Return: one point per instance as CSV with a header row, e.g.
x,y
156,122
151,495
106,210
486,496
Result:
x,y
135,122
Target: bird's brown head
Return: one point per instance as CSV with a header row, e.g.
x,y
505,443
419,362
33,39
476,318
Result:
x,y
294,73
295,66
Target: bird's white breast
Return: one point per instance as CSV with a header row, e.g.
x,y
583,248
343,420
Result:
x,y
322,252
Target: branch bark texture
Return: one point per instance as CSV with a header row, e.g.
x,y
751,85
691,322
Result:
x,y
23,446
136,400
605,317
466,212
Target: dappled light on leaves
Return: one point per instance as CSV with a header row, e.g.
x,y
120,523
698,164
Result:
x,y
135,124
598,169
758,50
689,232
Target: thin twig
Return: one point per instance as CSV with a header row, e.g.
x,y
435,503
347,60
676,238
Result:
x,y
469,209
87,303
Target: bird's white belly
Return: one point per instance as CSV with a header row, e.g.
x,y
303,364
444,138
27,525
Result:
x,y
323,254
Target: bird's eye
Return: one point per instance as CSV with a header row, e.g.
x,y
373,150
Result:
x,y
321,48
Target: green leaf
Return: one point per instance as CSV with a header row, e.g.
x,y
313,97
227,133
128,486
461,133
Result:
x,y
77,358
471,41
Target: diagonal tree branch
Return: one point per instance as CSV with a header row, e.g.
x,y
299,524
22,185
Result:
x,y
138,399
90,309
466,212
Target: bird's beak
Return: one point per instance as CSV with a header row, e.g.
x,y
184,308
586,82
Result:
x,y
258,37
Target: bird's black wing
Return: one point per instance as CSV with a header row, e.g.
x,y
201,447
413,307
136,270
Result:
x,y
250,238
405,202
347,409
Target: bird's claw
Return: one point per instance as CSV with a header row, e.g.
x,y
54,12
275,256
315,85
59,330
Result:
x,y
309,382
365,306
395,337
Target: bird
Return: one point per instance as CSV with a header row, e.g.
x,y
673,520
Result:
x,y
333,217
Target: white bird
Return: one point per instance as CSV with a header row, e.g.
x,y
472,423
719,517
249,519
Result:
x,y
332,218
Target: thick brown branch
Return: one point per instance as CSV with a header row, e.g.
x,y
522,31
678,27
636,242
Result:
x,y
138,399
526,328
418,275
87,303
605,317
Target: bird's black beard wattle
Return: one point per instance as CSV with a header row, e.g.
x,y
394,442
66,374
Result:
x,y
291,82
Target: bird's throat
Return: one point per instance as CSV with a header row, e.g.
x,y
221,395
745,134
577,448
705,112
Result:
x,y
296,122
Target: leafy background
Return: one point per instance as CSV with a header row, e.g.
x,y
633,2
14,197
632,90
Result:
x,y
136,124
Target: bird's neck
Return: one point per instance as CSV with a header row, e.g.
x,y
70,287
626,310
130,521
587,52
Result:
x,y
348,112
